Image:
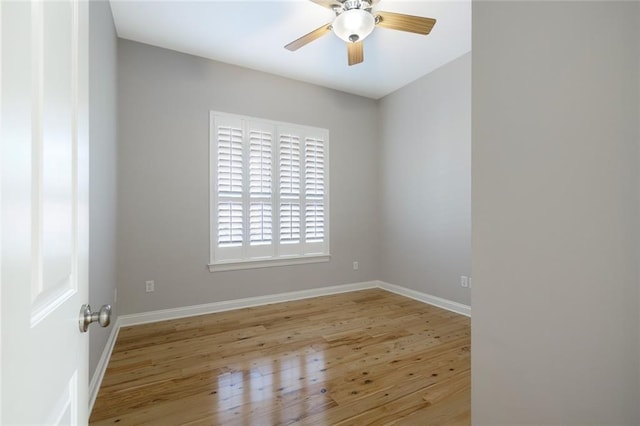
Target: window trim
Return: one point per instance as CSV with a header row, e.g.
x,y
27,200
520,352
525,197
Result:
x,y
282,260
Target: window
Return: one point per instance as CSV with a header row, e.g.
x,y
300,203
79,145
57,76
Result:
x,y
269,188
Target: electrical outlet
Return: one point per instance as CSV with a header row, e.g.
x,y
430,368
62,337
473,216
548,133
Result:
x,y
150,286
355,266
464,281
469,282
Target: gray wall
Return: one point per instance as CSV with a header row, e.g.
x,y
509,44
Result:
x,y
555,213
164,99
102,208
425,164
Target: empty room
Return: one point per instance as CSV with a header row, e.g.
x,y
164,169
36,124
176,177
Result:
x,y
320,212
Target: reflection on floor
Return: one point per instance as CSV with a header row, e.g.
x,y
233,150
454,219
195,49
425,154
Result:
x,y
365,357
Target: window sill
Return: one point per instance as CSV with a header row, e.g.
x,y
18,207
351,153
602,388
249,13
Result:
x,y
268,263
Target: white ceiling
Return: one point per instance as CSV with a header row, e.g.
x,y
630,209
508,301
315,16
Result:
x,y
252,34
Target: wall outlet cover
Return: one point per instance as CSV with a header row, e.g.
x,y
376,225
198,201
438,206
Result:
x,y
464,281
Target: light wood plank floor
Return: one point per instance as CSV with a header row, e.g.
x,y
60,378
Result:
x,y
365,357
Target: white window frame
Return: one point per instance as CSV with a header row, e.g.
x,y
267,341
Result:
x,y
277,253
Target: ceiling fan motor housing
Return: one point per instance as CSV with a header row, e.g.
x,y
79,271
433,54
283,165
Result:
x,y
356,4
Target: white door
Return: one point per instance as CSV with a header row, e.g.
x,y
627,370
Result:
x,y
44,232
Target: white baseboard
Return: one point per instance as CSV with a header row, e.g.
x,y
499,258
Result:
x,y
209,308
449,305
101,368
228,305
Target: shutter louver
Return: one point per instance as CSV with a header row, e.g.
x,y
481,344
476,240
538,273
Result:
x,y
229,224
289,166
229,161
314,168
314,221
290,223
260,223
260,163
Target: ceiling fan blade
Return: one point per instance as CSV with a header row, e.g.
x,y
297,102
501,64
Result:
x,y
329,4
355,52
409,23
308,38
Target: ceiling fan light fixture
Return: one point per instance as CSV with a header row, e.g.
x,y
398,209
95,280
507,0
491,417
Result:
x,y
353,25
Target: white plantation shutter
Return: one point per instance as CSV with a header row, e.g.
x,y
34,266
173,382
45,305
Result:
x,y
228,157
314,190
260,197
314,219
316,193
269,198
289,166
229,161
289,212
314,168
260,223
229,224
290,222
260,163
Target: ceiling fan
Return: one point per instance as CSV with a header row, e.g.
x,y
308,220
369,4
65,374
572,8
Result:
x,y
355,20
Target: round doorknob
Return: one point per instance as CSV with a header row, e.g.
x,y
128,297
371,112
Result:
x,y
102,317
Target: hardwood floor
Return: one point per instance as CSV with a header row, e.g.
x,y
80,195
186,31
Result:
x,y
365,357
